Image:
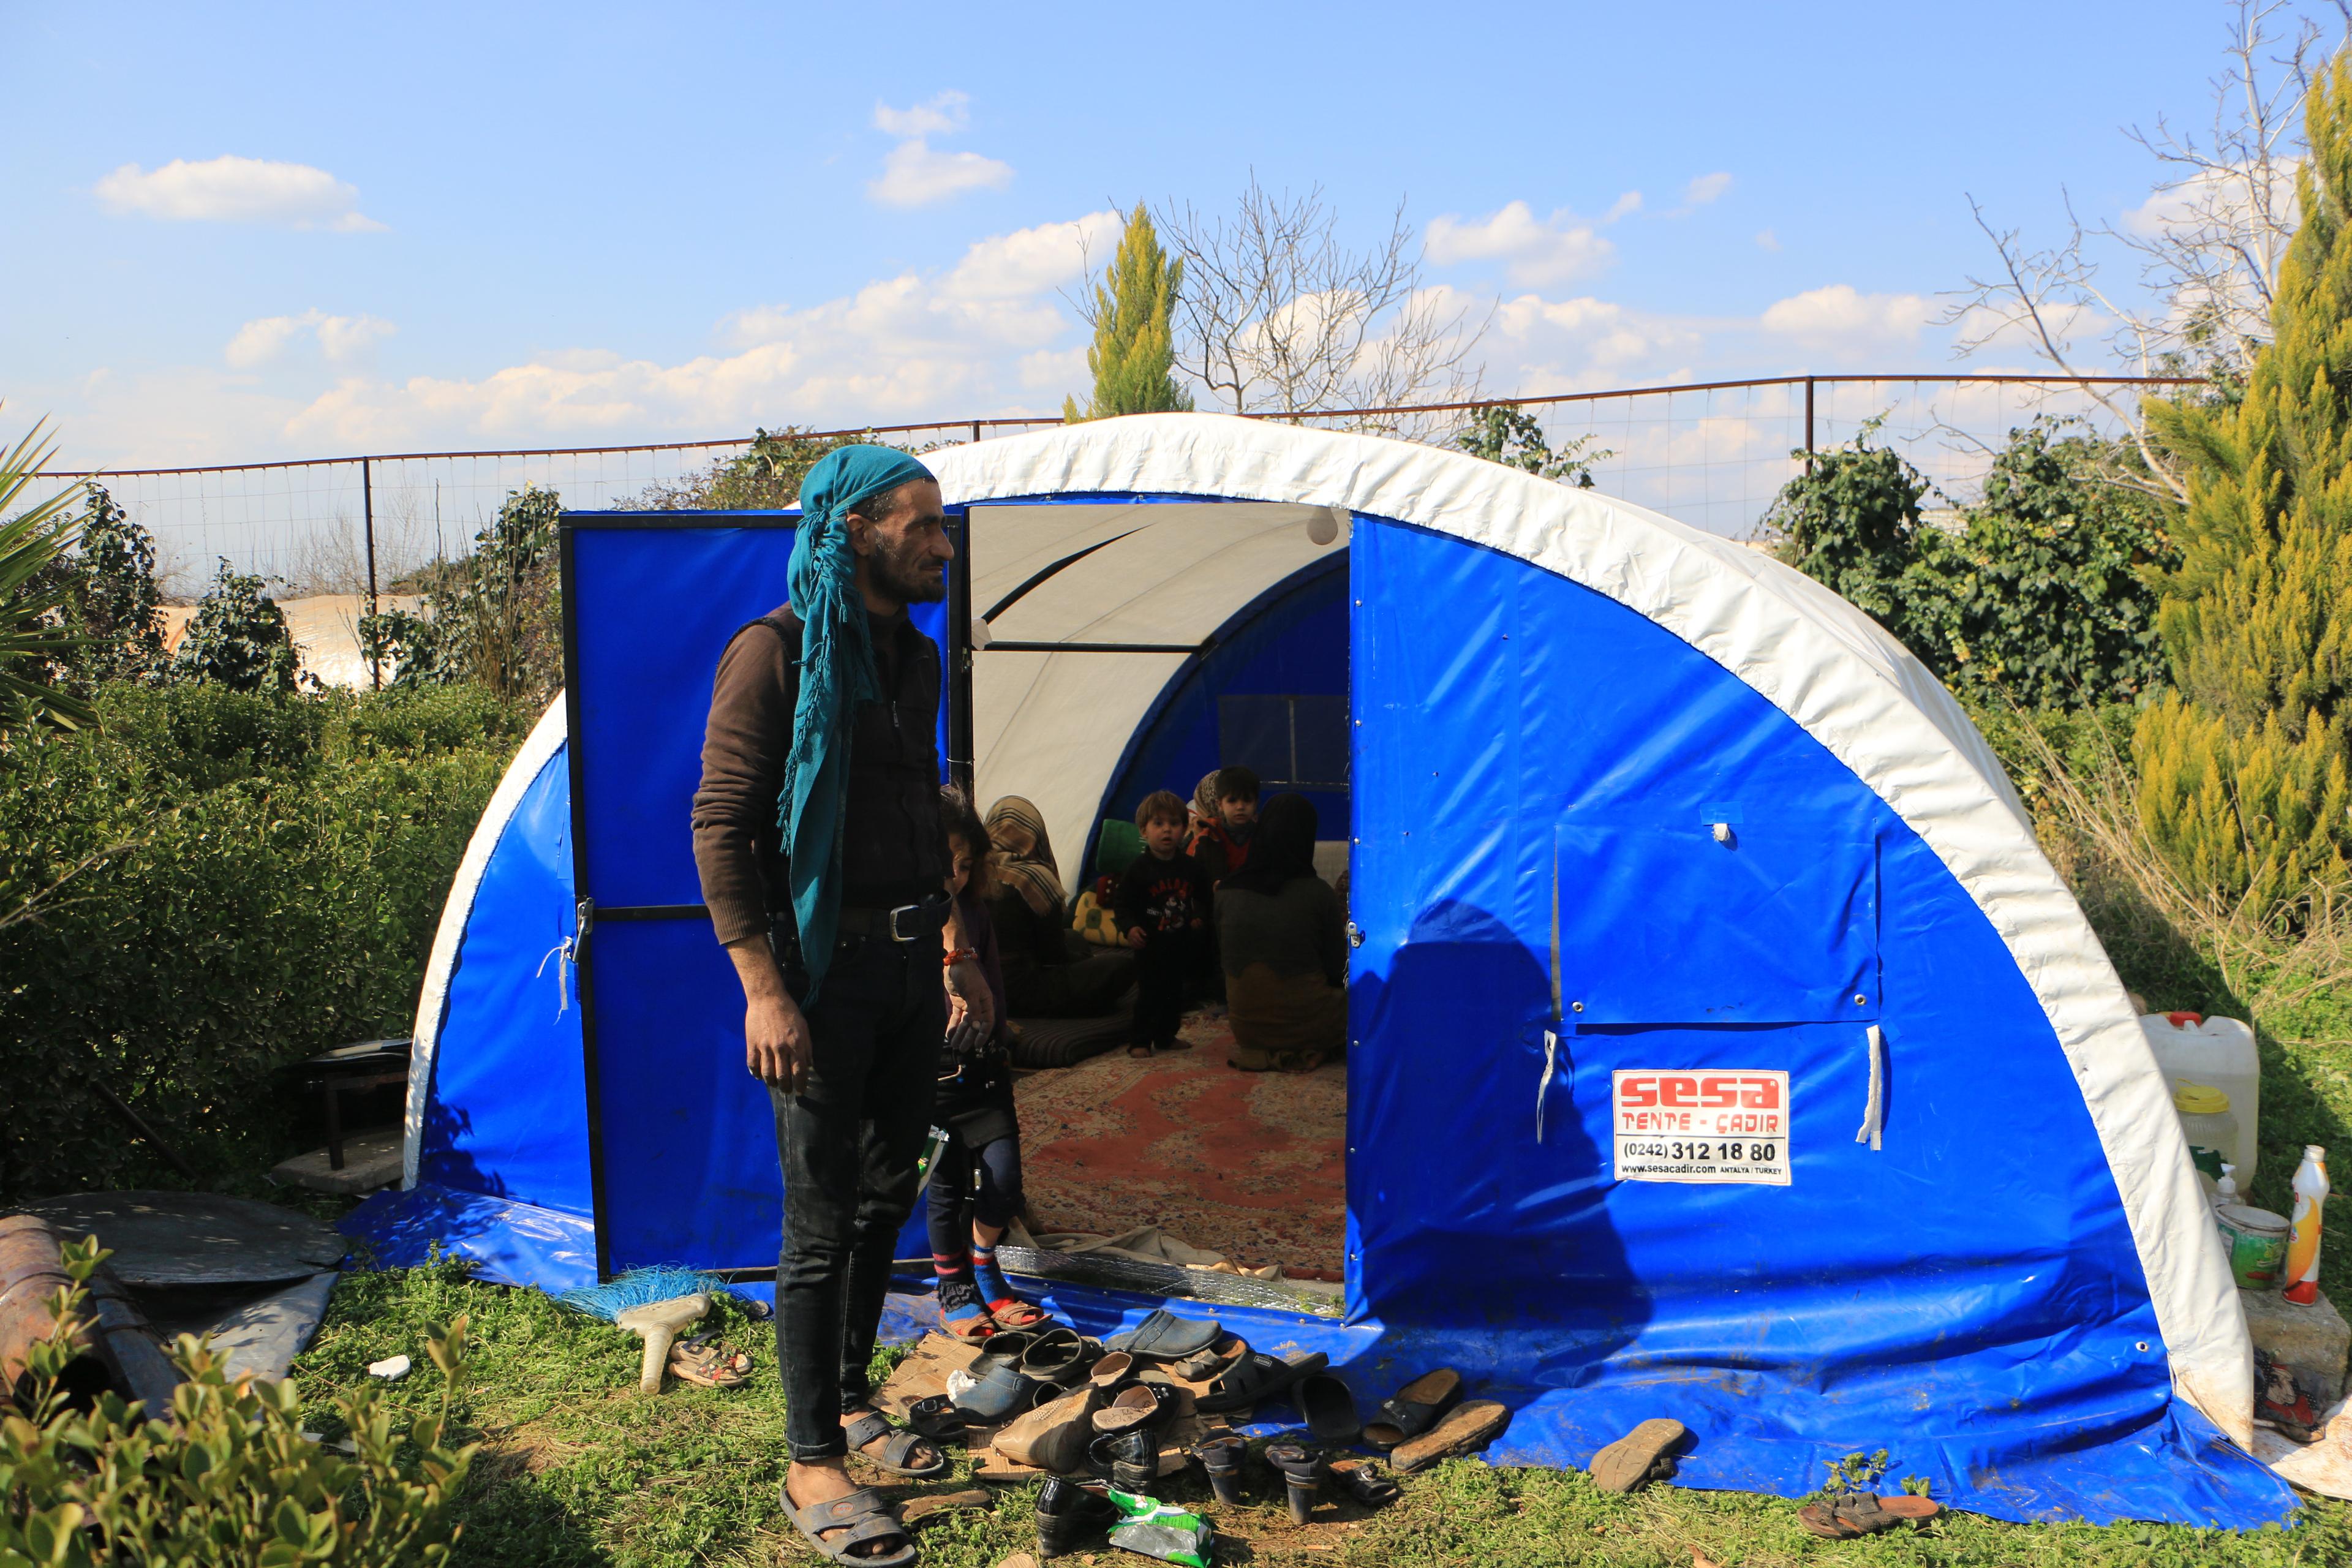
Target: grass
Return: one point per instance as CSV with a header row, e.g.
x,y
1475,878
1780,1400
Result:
x,y
577,1469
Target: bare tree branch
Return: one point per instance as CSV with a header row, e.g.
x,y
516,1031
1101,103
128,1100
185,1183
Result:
x,y
1277,316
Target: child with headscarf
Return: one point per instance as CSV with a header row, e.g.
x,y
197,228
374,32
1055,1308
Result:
x,y
1282,937
1050,972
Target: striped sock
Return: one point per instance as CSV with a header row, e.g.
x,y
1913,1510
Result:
x,y
985,1274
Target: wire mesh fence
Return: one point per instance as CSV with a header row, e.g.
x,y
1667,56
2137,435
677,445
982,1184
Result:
x,y
1712,455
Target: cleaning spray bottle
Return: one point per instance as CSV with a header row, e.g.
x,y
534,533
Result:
x,y
2303,1241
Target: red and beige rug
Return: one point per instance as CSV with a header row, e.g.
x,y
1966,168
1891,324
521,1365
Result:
x,y
1252,1166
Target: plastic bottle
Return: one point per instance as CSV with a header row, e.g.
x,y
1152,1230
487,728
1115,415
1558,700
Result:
x,y
2302,1240
2225,1191
2220,1052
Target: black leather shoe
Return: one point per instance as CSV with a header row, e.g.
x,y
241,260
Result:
x,y
1068,1515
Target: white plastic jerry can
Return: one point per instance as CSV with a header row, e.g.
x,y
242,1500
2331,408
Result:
x,y
2217,1053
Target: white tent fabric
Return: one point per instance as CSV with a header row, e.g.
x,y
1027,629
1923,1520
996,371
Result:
x,y
546,738
1053,726
1824,663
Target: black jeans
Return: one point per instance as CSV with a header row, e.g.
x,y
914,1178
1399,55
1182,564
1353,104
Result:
x,y
849,1145
1166,960
953,1202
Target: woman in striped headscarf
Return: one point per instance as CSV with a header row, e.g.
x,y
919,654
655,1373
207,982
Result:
x,y
1050,972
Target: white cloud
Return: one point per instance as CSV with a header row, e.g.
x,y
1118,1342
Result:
x,y
1706,188
236,190
940,115
1844,321
341,338
1538,252
1766,240
915,175
987,335
1624,206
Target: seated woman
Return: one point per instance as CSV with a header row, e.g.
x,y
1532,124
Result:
x,y
1282,937
1050,972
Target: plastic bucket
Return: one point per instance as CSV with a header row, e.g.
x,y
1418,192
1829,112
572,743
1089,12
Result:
x,y
2256,1239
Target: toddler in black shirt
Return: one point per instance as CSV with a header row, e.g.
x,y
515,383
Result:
x,y
1163,909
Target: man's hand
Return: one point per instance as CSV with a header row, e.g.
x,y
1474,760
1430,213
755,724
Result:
x,y
776,1046
968,989
1135,936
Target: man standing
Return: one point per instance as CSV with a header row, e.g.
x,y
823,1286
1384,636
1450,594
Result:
x,y
823,862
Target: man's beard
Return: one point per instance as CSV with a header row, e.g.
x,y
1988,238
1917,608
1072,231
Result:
x,y
903,580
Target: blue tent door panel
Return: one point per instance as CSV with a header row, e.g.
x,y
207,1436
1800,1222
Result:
x,y
1770,923
683,1137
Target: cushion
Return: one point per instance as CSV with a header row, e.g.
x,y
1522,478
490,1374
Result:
x,y
1065,1042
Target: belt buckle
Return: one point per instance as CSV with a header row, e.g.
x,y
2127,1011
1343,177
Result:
x,y
897,935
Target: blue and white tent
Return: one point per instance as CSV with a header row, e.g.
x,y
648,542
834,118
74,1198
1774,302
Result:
x,y
1724,1046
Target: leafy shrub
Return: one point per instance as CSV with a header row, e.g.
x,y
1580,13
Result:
x,y
493,619
1513,438
262,878
230,1479
766,478
238,637
2040,596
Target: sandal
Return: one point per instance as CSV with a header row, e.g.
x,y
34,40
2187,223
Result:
x,y
1365,1482
864,1517
968,1322
1302,1475
1013,1313
1257,1376
1202,1366
1625,1464
1165,1336
1851,1515
706,1364
1140,1405
871,1428
935,1416
1330,1409
1416,1408
1222,1458
1465,1429
1057,1356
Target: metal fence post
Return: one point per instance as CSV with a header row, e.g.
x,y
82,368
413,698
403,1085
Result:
x,y
1809,424
367,522
975,429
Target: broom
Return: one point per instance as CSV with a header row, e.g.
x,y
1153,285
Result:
x,y
655,1304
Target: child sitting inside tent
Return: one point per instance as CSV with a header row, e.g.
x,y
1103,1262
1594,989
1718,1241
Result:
x,y
1164,911
1282,935
1224,822
975,1187
1050,972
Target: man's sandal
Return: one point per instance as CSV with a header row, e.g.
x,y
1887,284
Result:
x,y
871,1428
864,1518
1851,1515
709,1364
935,1416
1013,1313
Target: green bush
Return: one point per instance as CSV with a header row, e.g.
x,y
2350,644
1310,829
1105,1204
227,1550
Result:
x,y
238,637
261,880
230,1479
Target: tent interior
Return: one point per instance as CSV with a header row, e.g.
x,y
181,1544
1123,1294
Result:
x,y
1122,648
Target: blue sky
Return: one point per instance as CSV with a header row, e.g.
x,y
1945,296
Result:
x,y
494,226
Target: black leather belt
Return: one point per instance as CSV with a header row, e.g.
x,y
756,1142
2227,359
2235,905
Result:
x,y
908,922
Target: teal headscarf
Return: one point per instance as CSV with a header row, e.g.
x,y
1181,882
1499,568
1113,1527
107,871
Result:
x,y
837,674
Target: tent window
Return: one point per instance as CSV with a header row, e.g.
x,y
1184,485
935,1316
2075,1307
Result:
x,y
1289,742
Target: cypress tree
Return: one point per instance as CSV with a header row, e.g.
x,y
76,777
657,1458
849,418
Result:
x,y
1134,349
2245,766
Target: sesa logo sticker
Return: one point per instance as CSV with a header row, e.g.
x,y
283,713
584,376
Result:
x,y
1701,1125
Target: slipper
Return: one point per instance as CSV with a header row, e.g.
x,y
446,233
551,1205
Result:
x,y
1202,1366
707,1364
1416,1408
1006,1347
935,1416
1330,1409
871,1428
1465,1429
1057,1356
1115,1368
1624,1465
1366,1482
976,1500
865,1517
971,1322
1165,1336
1851,1515
1257,1376
999,1393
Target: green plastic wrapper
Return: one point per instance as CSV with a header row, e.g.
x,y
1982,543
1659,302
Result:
x,y
1162,1530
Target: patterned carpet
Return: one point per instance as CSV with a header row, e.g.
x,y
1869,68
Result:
x,y
1248,1165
